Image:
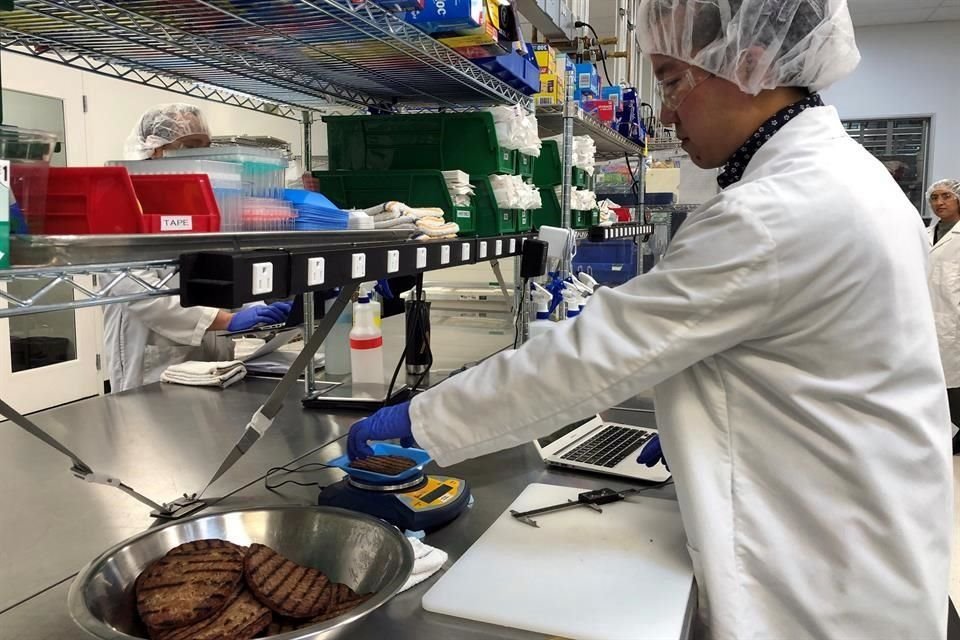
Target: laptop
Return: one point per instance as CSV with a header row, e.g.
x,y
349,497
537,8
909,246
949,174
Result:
x,y
600,446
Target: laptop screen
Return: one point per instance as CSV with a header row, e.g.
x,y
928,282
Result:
x,y
556,435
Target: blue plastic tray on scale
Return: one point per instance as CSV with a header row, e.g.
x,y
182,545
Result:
x,y
419,456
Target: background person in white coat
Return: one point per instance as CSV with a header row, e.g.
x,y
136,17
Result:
x,y
143,338
788,332
944,199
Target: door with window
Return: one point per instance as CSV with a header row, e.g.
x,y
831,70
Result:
x,y
50,358
903,146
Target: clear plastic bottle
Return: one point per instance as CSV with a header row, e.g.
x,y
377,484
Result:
x,y
366,344
336,347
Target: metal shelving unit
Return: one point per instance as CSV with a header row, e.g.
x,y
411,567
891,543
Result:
x,y
610,144
295,54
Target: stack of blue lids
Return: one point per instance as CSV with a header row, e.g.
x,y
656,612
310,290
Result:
x,y
315,212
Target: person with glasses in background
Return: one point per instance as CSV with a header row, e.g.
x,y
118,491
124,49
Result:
x,y
788,335
944,276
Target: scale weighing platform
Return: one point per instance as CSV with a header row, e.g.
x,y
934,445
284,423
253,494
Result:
x,y
410,500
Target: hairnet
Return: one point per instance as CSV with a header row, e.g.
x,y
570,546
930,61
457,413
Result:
x,y
756,44
953,186
163,125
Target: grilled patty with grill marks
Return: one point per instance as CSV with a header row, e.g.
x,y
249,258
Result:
x,y
350,601
190,583
387,465
242,619
286,587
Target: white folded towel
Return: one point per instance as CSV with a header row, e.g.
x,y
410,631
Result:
x,y
396,222
205,374
427,561
437,227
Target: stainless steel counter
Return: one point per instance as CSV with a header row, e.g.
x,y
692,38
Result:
x,y
165,440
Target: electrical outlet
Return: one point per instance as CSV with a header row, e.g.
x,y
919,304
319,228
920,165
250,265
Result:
x,y
513,245
358,266
393,261
421,257
316,271
483,250
262,278
465,252
445,254
499,248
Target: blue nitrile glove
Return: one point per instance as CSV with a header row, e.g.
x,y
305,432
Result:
x,y
386,424
652,454
250,317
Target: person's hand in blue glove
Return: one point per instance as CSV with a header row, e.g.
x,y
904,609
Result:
x,y
386,424
652,454
260,314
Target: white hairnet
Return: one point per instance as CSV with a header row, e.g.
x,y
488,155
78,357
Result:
x,y
953,186
162,125
756,44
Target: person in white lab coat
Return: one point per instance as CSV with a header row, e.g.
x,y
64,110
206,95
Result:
x,y
944,199
143,338
789,337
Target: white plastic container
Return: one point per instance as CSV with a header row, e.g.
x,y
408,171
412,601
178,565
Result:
x,y
336,346
366,344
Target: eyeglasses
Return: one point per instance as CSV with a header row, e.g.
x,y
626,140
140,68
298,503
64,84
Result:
x,y
942,196
674,90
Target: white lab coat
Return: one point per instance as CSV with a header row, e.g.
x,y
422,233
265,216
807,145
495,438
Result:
x,y
799,396
945,294
143,338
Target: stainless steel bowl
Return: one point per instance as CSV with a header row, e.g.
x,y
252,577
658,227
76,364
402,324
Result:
x,y
360,551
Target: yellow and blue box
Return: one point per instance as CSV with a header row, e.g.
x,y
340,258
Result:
x,y
442,16
546,57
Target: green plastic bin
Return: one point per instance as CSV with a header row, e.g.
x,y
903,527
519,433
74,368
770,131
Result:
x,y
525,165
524,220
581,219
549,213
491,220
548,169
362,189
594,217
581,178
445,141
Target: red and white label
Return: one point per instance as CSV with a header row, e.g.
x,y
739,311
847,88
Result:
x,y
176,223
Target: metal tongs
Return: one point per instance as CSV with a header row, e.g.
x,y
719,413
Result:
x,y
589,499
265,415
168,510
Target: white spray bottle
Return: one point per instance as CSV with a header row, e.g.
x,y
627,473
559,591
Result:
x,y
541,299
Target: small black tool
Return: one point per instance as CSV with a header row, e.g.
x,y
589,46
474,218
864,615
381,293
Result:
x,y
590,499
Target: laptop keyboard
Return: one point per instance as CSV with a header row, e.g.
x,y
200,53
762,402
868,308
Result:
x,y
609,447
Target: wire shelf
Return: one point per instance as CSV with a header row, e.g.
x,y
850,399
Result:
x,y
297,53
610,144
47,281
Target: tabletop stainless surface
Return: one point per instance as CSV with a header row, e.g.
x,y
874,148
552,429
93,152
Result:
x,y
165,440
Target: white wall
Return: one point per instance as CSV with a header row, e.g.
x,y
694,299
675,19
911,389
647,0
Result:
x,y
909,70
114,106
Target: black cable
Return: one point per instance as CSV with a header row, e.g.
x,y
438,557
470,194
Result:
x,y
603,56
520,306
300,469
634,185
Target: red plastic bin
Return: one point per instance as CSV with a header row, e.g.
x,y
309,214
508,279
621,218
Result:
x,y
91,200
176,203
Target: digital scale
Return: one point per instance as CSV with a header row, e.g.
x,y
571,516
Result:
x,y
410,500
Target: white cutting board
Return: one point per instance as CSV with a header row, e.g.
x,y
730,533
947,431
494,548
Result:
x,y
623,574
